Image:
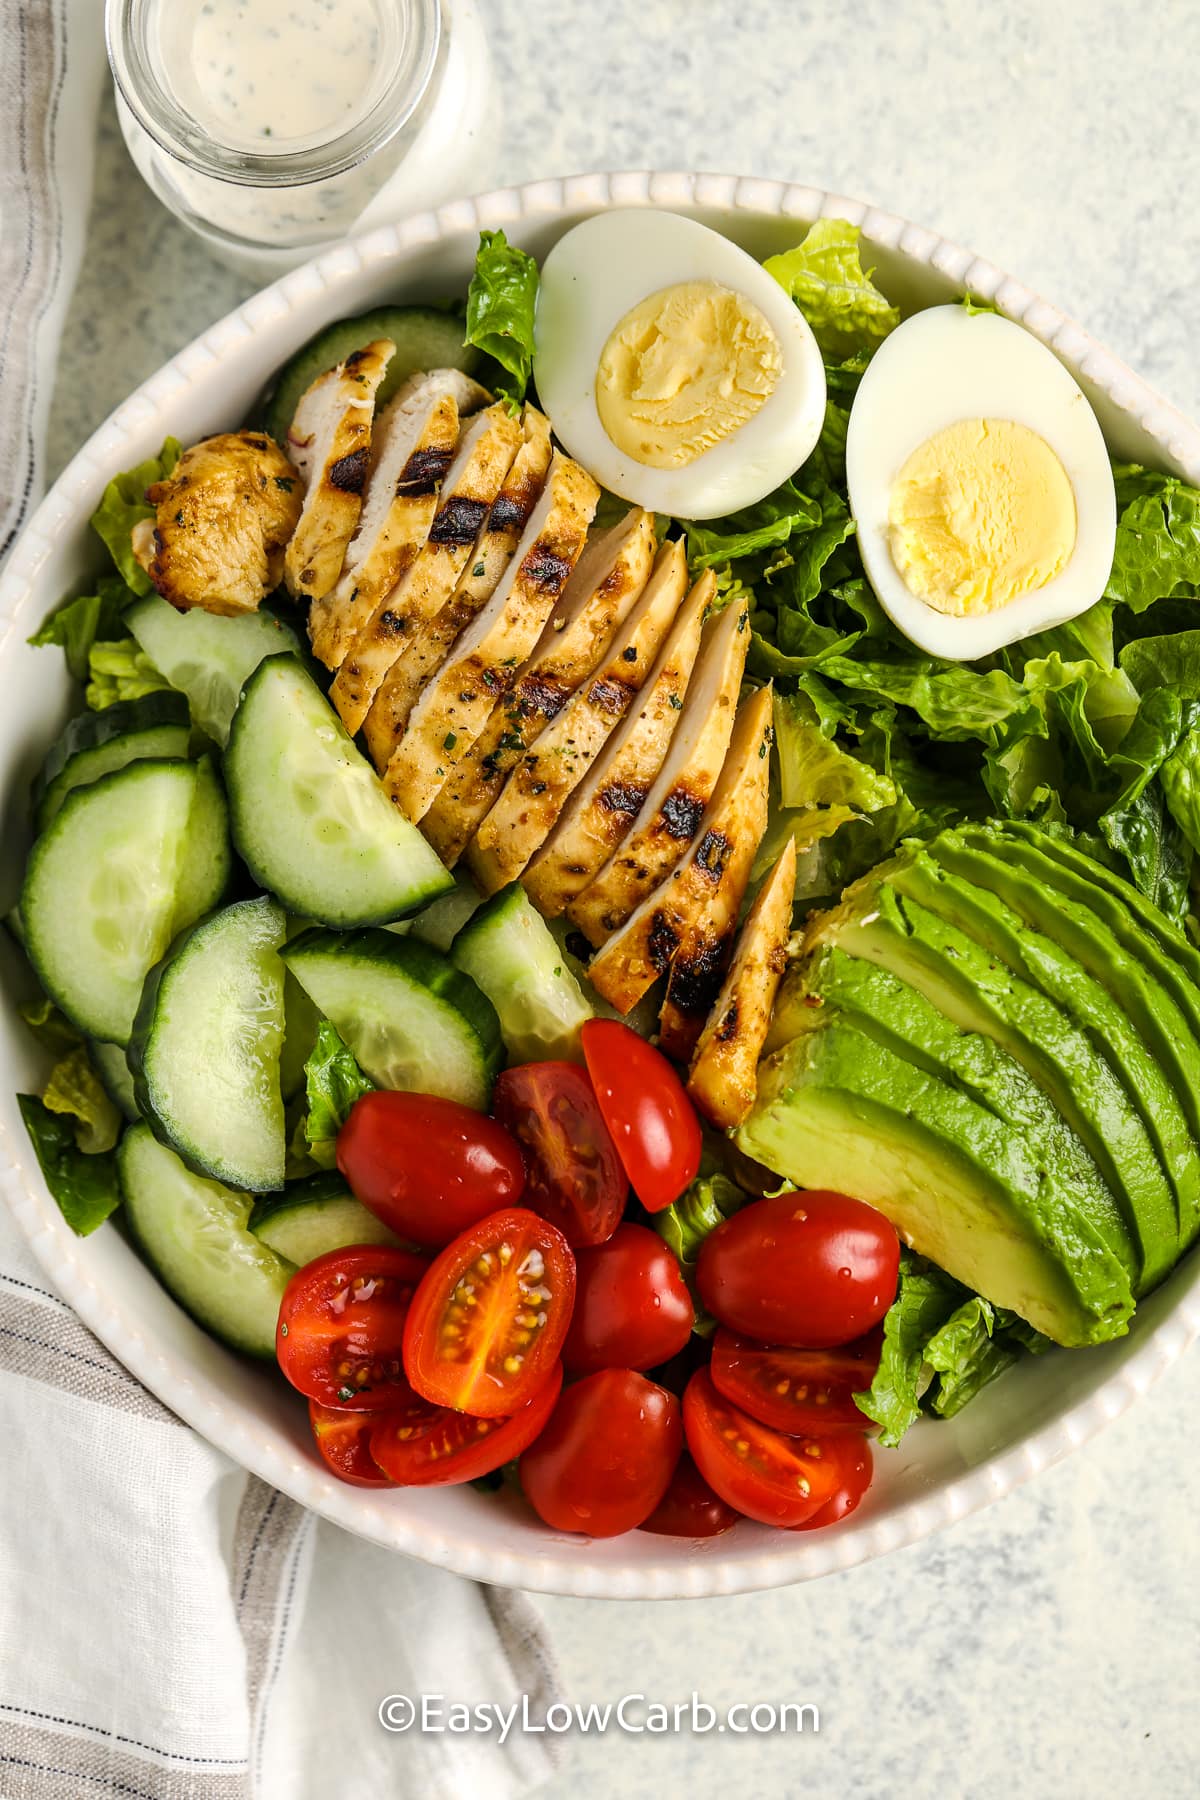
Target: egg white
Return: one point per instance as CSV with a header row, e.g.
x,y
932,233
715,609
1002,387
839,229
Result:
x,y
948,364
596,274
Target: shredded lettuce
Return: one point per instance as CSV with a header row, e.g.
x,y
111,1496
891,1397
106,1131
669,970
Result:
x,y
825,277
1157,555
84,1185
120,670
123,505
500,308
333,1082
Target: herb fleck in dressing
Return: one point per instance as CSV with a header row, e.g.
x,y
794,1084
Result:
x,y
258,74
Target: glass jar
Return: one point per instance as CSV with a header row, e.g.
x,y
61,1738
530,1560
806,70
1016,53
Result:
x,y
273,130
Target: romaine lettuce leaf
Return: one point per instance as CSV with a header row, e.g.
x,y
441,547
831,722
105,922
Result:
x,y
124,504
500,308
925,1299
816,771
1157,555
684,1225
825,277
333,1082
764,526
78,625
85,1186
120,670
967,1352
74,1091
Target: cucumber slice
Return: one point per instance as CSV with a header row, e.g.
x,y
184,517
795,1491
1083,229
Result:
x,y
96,743
205,1047
408,1016
208,658
309,815
507,949
100,901
112,1066
311,1217
206,865
193,1233
425,338
441,922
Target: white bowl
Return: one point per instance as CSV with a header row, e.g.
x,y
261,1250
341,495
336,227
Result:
x,y
1031,1418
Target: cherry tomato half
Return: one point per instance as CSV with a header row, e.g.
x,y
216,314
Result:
x,y
488,1321
632,1308
652,1121
341,1326
442,1447
574,1176
776,1479
428,1168
689,1508
810,1269
856,1470
343,1438
603,1462
796,1391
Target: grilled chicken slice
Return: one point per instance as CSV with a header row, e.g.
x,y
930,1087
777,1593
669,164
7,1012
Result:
x,y
485,450
690,918
671,813
608,578
456,705
421,655
329,442
724,1073
537,789
412,447
608,799
224,517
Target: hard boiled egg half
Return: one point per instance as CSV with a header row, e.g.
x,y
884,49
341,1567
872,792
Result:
x,y
979,482
672,366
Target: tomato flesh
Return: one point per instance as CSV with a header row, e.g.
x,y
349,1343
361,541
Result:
x,y
856,1473
632,1307
341,1326
343,1438
439,1447
574,1176
689,1508
488,1320
796,1391
428,1168
604,1460
807,1269
776,1479
652,1121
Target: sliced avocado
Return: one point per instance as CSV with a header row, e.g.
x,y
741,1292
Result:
x,y
1129,965
1085,1217
1043,963
838,1109
979,992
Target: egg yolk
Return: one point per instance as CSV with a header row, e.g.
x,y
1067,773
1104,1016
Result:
x,y
685,368
981,513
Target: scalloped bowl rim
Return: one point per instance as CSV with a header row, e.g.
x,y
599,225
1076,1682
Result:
x,y
199,1382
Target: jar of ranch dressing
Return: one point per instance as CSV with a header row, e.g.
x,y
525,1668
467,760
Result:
x,y
275,127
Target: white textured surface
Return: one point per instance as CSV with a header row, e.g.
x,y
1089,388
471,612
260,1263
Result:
x,y
1051,1642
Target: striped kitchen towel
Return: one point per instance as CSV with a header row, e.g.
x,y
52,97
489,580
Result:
x,y
170,1627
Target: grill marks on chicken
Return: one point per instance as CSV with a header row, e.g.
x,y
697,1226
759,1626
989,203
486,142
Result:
x,y
329,443
482,669
223,520
412,448
470,485
424,652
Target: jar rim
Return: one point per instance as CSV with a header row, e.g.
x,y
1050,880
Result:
x,y
160,116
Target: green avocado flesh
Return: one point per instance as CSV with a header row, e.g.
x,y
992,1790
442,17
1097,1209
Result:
x,y
1106,1026
1018,1062
1080,1211
835,1106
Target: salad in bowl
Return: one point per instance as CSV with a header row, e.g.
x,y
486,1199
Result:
x,y
617,902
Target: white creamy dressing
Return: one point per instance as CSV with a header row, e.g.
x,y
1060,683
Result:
x,y
266,75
